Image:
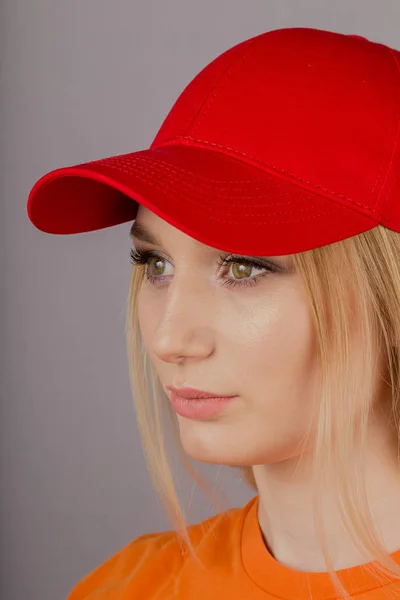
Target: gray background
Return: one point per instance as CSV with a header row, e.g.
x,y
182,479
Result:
x,y
80,80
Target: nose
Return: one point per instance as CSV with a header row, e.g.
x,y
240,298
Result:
x,y
185,330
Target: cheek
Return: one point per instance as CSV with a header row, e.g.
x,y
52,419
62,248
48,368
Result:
x,y
275,359
274,342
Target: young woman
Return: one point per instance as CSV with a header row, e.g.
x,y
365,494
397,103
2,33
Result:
x,y
263,318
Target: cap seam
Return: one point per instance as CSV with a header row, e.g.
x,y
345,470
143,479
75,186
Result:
x,y
163,187
368,211
195,200
208,101
201,182
378,205
214,86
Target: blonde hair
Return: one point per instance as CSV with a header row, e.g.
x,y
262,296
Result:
x,y
363,270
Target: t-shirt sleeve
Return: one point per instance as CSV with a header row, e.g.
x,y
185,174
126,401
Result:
x,y
142,568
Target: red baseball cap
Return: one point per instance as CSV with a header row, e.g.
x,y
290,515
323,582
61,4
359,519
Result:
x,y
285,142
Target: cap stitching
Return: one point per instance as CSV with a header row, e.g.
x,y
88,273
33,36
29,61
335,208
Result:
x,y
394,124
387,217
183,173
209,200
176,195
383,163
228,196
172,167
242,48
365,210
208,102
320,187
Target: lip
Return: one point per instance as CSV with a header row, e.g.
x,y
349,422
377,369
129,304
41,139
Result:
x,y
189,393
197,404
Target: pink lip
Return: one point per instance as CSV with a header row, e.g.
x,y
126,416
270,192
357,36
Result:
x,y
192,405
193,394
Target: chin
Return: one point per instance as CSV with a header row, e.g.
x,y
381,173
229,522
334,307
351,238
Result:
x,y
214,443
221,443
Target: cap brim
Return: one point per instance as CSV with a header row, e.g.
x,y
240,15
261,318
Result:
x,y
215,198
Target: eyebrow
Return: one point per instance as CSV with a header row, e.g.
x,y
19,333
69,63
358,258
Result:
x,y
140,233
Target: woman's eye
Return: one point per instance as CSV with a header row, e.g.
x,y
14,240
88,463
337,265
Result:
x,y
242,270
248,272
237,271
155,266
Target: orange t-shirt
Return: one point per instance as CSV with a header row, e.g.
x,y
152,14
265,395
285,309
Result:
x,y
237,563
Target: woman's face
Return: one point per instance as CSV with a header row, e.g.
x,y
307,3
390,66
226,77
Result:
x,y
230,330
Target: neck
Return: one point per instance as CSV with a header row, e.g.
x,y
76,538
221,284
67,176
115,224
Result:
x,y
286,509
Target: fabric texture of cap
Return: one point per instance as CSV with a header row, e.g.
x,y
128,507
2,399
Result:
x,y
285,142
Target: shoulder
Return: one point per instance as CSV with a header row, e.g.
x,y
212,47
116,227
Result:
x,y
151,561
136,561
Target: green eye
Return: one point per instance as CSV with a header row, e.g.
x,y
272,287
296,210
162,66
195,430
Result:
x,y
156,261
241,270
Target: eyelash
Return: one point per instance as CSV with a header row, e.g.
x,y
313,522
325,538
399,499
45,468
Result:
x,y
141,257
